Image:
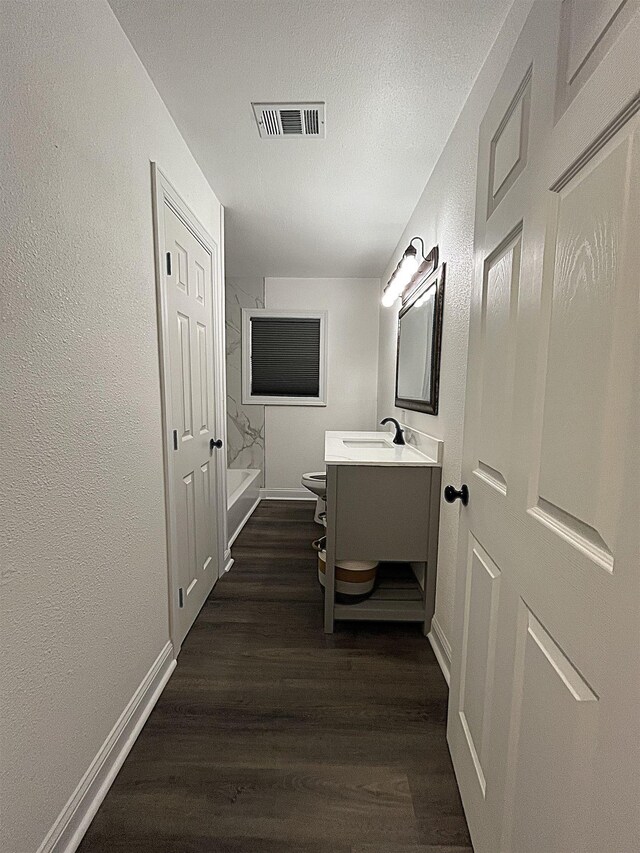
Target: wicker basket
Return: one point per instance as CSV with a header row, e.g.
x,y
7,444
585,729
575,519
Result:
x,y
355,579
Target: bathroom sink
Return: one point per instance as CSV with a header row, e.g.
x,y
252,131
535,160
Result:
x,y
367,443
370,447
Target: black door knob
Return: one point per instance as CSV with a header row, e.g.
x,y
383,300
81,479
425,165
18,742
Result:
x,y
213,443
452,494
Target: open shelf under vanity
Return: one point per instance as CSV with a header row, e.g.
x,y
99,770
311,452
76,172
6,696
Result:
x,y
397,597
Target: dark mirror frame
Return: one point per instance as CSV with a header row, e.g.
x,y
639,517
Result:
x,y
435,279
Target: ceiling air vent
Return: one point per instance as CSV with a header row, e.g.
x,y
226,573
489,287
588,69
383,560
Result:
x,y
290,119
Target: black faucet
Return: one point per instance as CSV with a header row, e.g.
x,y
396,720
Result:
x,y
398,437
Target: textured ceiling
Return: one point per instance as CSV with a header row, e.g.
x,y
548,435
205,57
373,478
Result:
x,y
394,75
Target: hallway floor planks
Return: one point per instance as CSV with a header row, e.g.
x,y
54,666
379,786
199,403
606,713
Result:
x,y
272,737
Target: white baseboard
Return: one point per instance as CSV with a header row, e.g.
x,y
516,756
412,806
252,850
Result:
x,y
73,821
300,494
228,559
441,648
242,524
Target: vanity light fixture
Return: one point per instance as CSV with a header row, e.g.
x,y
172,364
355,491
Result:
x,y
403,273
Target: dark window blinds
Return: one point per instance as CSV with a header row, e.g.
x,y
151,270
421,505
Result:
x,y
285,356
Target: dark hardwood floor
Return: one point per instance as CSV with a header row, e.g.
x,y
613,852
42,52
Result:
x,y
272,737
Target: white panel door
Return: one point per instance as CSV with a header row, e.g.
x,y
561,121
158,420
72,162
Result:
x,y
544,712
195,451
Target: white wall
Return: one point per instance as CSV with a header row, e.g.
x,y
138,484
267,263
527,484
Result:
x,y
294,435
81,493
444,216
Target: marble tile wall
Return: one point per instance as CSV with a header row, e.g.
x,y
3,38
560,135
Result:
x,y
245,424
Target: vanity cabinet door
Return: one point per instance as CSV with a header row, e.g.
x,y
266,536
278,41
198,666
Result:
x,y
381,513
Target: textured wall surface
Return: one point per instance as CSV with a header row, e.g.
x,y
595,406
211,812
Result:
x,y
295,434
245,423
445,216
84,594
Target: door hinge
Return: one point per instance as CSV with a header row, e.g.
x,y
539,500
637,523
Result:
x,y
180,597
168,263
175,439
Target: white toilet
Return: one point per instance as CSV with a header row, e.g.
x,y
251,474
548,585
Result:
x,y
316,482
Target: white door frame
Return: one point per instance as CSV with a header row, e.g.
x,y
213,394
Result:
x,y
164,193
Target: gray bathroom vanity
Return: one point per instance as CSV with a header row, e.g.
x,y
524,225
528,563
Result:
x,y
383,503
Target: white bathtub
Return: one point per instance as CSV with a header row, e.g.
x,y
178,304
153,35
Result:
x,y
243,496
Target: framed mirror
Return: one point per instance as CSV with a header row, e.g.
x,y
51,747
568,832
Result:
x,y
419,340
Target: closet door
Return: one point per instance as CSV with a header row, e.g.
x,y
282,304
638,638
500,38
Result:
x,y
193,403
543,722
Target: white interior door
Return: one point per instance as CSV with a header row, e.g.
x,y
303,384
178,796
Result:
x,y
194,448
544,712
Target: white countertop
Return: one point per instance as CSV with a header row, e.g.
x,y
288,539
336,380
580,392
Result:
x,y
371,448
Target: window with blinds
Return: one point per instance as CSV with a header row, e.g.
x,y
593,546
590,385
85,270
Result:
x,y
283,357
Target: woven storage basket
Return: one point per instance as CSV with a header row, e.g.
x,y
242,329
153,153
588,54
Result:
x,y
355,579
